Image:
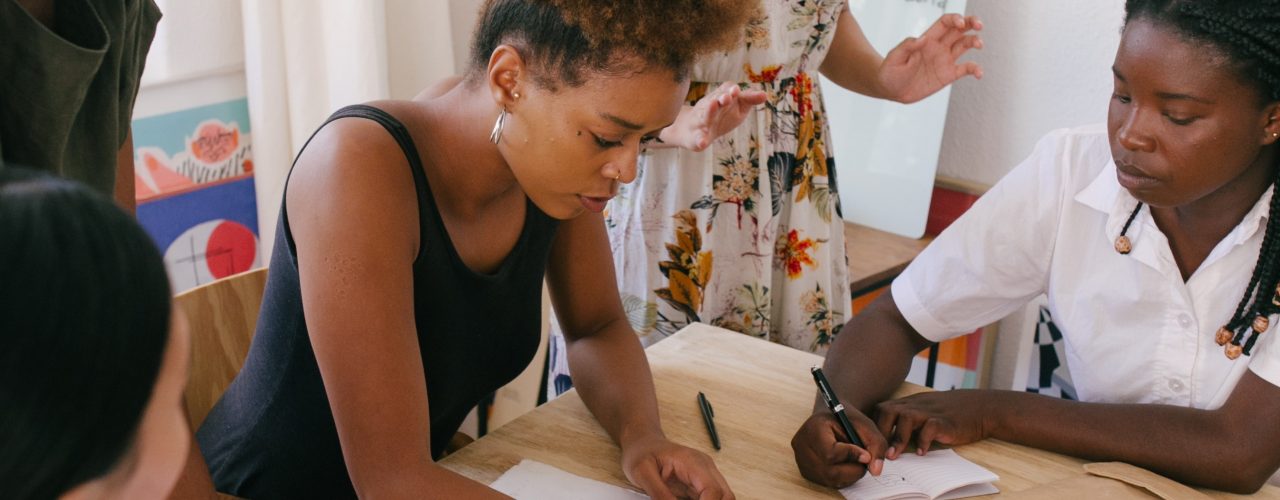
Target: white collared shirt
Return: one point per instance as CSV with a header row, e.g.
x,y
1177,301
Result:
x,y
1134,331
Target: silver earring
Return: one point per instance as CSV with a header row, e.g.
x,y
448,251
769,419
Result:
x,y
496,135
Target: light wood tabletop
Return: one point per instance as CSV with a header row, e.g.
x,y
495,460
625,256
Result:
x,y
875,256
761,393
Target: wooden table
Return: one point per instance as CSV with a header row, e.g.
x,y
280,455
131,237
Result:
x,y
761,393
876,257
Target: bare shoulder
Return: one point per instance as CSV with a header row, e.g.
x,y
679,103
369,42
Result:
x,y
353,179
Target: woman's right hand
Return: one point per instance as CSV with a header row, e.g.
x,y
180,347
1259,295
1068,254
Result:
x,y
826,458
666,471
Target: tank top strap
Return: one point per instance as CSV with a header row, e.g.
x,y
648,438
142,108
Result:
x,y
400,133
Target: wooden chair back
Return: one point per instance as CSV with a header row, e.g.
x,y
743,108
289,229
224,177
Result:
x,y
222,316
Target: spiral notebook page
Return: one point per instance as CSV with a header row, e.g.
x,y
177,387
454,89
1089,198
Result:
x,y
530,480
941,474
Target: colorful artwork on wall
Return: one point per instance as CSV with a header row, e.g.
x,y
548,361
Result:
x,y
196,198
958,363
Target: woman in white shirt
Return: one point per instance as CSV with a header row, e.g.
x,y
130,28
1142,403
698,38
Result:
x,y
1156,243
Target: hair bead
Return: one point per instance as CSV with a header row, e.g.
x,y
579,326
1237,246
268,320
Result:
x,y
1224,335
1123,244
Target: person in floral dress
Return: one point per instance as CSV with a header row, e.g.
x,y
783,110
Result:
x,y
747,234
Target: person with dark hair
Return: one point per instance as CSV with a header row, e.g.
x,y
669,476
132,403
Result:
x,y
71,71
1156,240
414,238
92,361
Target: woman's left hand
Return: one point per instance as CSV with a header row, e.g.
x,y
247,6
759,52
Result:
x,y
665,470
918,67
952,418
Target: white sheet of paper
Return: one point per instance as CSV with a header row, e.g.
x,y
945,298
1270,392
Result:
x,y
530,480
941,474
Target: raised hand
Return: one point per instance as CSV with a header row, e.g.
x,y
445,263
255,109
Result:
x,y
717,113
918,67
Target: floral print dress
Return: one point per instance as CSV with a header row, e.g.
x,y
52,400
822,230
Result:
x,y
746,235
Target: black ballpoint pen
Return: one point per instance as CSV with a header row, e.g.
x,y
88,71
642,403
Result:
x,y
829,395
707,413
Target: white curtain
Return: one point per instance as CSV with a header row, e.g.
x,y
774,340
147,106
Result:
x,y
305,59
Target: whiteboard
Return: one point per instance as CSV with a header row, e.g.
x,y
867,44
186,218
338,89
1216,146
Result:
x,y
887,153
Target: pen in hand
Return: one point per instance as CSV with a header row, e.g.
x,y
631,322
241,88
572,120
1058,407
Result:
x,y
833,403
707,414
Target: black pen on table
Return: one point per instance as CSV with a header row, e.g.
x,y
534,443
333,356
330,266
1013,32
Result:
x,y
707,413
829,395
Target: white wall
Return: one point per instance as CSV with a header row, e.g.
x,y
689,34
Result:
x,y
463,15
196,58
195,40
420,44
1047,65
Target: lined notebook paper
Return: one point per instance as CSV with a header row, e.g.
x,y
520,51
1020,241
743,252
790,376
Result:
x,y
530,480
941,475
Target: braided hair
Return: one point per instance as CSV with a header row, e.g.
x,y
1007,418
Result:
x,y
1248,33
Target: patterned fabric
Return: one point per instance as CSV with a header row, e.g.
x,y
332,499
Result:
x,y
746,235
1047,373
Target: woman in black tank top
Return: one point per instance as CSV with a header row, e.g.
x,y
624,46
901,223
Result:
x,y
414,237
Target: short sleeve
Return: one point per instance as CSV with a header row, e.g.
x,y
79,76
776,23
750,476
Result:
x,y
66,101
46,79
996,257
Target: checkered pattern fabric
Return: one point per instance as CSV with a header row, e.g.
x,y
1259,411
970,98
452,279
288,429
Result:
x,y
1047,372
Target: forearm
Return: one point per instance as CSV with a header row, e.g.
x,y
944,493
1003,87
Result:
x,y
852,62
125,196
871,357
859,73
1189,445
612,375
429,481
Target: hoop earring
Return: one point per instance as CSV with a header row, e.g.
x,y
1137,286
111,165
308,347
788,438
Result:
x,y
496,135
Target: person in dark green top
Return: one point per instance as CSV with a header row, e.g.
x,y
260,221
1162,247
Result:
x,y
70,75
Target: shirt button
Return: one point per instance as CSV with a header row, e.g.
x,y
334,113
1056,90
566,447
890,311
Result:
x,y
1175,384
1184,320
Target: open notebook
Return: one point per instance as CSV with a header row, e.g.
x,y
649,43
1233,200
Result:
x,y
941,474
530,480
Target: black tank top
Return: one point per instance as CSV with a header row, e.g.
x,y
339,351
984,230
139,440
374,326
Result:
x,y
272,434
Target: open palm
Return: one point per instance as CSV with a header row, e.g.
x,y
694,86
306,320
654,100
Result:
x,y
918,67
